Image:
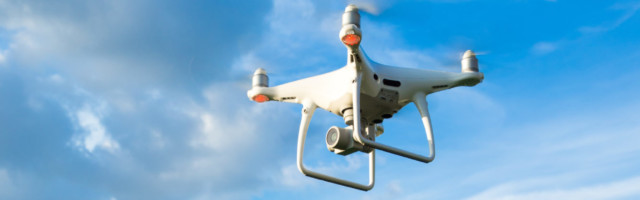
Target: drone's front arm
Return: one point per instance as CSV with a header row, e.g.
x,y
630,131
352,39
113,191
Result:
x,y
320,89
290,92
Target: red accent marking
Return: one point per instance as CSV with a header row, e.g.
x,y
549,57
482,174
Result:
x,y
260,98
351,39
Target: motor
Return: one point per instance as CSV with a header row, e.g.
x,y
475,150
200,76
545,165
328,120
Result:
x,y
469,62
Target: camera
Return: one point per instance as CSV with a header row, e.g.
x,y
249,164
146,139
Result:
x,y
340,141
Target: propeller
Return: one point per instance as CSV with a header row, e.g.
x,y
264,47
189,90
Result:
x,y
373,7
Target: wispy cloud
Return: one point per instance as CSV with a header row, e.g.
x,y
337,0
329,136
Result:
x,y
618,189
414,59
449,1
93,133
2,57
566,155
630,9
544,47
7,187
115,82
374,7
150,83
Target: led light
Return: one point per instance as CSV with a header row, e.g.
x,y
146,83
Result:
x,y
351,39
260,98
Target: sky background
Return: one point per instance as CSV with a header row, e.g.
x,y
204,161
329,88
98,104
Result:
x,y
147,99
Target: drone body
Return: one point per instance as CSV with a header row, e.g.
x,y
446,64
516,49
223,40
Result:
x,y
377,91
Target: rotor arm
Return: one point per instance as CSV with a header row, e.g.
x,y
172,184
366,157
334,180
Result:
x,y
292,92
284,93
320,89
307,112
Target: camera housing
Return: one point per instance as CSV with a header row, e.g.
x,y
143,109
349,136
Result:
x,y
340,141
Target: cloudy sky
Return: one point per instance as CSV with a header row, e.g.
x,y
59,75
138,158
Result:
x,y
147,99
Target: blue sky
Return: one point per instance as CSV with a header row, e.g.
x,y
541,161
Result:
x,y
147,99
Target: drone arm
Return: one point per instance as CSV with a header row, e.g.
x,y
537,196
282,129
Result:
x,y
317,88
289,92
307,112
428,81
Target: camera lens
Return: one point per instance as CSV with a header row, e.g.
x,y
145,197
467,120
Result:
x,y
332,137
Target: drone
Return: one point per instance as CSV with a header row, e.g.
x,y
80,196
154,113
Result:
x,y
364,93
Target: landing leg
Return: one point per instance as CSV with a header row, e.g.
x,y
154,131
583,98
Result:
x,y
307,113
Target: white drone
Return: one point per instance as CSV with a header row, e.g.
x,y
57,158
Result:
x,y
364,93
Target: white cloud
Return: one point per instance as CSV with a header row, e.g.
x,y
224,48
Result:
x,y
154,94
537,189
225,146
374,7
546,47
247,63
206,143
471,100
299,25
290,176
383,46
56,78
418,59
541,48
215,129
157,141
236,145
341,167
354,162
94,135
288,17
449,1
630,10
2,57
392,190
7,188
586,154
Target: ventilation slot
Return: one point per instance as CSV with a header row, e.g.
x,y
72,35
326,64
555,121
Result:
x,y
440,86
392,83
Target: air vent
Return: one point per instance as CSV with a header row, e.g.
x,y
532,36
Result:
x,y
392,83
440,86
